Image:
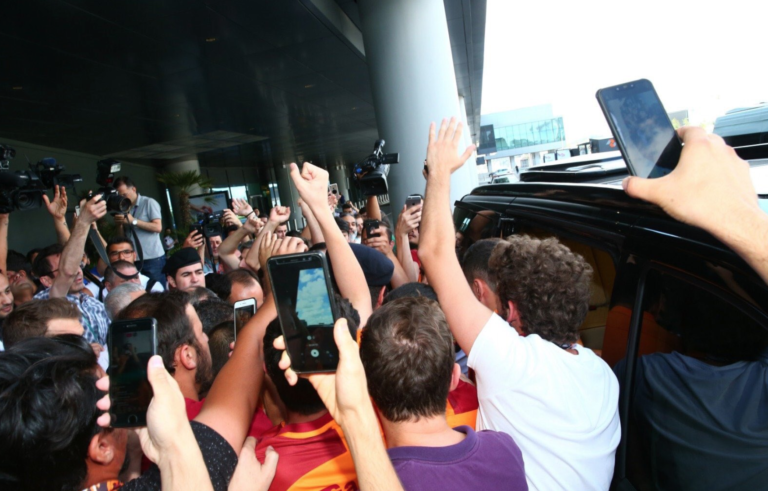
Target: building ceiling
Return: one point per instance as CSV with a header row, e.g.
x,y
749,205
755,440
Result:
x,y
251,81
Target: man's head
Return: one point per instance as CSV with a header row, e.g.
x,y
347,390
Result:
x,y
344,227
38,318
215,241
46,268
359,222
126,188
213,312
6,297
48,418
184,270
411,290
543,287
180,337
127,274
244,284
351,223
121,248
219,340
120,297
476,271
302,397
281,230
19,268
408,355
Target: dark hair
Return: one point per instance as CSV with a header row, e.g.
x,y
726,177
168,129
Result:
x,y
344,226
17,261
48,413
302,397
173,327
242,277
474,264
109,273
218,342
201,294
30,319
411,290
346,206
220,284
408,355
123,180
320,246
293,233
547,282
212,312
41,266
119,239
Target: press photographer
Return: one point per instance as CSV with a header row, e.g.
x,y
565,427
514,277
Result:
x,y
145,217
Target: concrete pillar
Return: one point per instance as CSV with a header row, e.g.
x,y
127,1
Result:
x,y
338,175
409,59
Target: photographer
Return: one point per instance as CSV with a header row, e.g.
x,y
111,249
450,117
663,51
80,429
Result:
x,y
146,219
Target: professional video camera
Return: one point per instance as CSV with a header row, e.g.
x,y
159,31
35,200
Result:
x,y
23,190
371,174
105,177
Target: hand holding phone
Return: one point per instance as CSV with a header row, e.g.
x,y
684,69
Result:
x,y
647,140
370,225
131,344
244,309
307,310
413,200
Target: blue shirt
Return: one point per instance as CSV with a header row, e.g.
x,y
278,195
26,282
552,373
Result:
x,y
94,315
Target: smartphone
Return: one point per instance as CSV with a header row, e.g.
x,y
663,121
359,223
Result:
x,y
131,344
334,189
370,225
245,309
645,135
306,308
413,200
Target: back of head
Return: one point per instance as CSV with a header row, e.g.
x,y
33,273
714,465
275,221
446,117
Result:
x,y
408,355
220,284
48,413
30,320
474,264
119,265
213,312
201,294
41,266
411,290
18,262
548,284
120,297
302,397
241,276
219,340
173,326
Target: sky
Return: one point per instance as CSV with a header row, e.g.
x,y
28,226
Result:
x,y
312,303
707,57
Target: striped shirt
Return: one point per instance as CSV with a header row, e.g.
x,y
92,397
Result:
x,y
94,315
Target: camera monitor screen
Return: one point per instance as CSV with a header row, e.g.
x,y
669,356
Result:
x,y
205,205
306,311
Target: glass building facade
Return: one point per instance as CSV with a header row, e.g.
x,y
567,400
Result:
x,y
529,134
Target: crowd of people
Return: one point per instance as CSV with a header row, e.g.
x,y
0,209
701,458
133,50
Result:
x,y
459,373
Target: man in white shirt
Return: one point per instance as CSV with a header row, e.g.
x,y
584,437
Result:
x,y
557,399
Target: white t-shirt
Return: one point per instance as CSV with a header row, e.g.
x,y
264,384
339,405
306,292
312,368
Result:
x,y
561,409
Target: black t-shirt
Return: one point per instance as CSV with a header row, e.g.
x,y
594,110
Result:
x,y
220,459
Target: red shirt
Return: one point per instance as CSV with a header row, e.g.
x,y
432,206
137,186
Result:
x,y
462,405
313,456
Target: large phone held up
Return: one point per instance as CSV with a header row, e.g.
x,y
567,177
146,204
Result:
x,y
306,308
647,140
131,344
244,310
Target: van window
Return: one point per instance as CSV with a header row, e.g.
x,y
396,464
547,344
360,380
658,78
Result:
x,y
699,412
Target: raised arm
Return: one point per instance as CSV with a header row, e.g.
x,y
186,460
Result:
x,y
408,220
58,210
315,233
72,255
711,188
312,184
383,244
372,208
466,316
229,245
4,223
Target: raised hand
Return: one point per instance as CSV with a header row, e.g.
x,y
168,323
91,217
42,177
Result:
x,y
250,474
380,243
312,184
280,214
229,217
241,207
58,207
443,148
92,210
194,240
265,249
409,219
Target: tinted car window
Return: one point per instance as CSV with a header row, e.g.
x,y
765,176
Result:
x,y
699,412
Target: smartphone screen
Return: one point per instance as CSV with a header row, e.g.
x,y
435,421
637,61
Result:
x,y
646,137
131,344
244,310
306,309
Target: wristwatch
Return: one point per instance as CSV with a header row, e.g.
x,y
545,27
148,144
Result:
x,y
134,222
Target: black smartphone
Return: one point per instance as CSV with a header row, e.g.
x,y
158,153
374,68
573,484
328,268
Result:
x,y
244,310
413,200
131,344
645,135
370,225
306,308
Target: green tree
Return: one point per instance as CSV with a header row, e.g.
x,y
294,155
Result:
x,y
183,182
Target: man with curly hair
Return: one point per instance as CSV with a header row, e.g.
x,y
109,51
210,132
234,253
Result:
x,y
557,399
